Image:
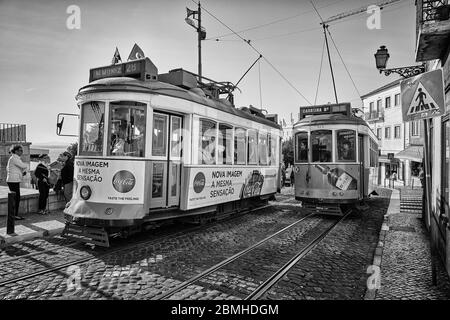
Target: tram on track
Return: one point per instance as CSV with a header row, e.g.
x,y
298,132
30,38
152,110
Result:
x,y
154,147
335,158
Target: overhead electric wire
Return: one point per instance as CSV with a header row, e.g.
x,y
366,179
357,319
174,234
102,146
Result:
x,y
342,60
257,51
320,72
272,22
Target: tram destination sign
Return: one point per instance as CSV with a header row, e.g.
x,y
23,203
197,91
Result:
x,y
138,69
339,108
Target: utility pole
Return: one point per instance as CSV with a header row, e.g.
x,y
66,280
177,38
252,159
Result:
x,y
199,32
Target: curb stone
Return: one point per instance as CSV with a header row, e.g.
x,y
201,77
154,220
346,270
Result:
x,y
394,204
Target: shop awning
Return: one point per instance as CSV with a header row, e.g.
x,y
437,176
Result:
x,y
413,153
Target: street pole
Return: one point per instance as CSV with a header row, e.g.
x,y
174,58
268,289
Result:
x,y
428,211
199,33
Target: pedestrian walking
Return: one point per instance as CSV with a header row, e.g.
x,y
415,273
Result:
x,y
42,174
67,174
421,176
15,170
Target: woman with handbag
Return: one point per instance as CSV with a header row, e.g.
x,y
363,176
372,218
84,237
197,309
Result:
x,y
42,174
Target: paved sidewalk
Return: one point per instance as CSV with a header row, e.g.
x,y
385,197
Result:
x,y
34,226
404,253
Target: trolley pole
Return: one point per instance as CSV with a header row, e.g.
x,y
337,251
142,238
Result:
x,y
427,196
329,60
199,33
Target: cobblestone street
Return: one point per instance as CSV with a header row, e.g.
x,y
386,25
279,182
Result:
x,y
335,269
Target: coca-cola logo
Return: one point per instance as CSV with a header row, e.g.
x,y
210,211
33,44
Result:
x,y
199,182
123,181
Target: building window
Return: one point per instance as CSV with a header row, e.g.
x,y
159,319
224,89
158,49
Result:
x,y
371,107
397,133
387,132
378,105
415,128
387,102
379,133
397,99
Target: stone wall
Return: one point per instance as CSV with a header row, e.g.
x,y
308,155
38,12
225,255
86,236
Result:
x,y
29,203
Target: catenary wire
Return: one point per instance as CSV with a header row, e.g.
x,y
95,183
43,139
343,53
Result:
x,y
257,51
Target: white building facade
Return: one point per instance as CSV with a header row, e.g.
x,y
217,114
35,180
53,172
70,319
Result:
x,y
400,143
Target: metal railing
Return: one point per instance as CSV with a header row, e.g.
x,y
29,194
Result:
x,y
10,132
432,10
374,115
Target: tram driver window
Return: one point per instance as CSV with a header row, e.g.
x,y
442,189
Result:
x,y
92,117
346,145
301,144
321,141
207,142
127,129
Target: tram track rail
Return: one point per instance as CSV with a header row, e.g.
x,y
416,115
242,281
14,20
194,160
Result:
x,y
134,245
275,277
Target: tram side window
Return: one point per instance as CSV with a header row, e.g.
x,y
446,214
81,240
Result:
x,y
273,143
92,128
321,141
301,144
252,147
225,141
239,146
127,129
262,148
346,145
207,142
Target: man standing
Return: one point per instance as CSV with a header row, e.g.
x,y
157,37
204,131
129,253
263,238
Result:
x,y
15,170
67,174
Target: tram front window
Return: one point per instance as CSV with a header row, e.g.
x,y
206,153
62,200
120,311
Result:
x,y
321,142
92,128
346,145
127,129
301,145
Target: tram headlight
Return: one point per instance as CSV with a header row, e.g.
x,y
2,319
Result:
x,y
85,192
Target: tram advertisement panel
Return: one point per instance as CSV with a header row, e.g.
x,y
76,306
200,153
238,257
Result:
x,y
324,176
209,186
111,181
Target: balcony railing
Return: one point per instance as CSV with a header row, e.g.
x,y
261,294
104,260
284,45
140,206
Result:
x,y
374,115
433,29
10,132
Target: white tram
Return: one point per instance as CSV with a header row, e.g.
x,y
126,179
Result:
x,y
336,158
155,146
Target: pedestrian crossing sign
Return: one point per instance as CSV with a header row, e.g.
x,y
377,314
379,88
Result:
x,y
423,96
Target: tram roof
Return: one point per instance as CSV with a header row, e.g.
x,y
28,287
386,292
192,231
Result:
x,y
162,88
330,119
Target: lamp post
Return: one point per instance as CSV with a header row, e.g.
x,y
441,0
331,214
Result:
x,y
381,58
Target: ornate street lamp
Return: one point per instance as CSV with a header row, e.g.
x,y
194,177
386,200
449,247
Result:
x,y
381,58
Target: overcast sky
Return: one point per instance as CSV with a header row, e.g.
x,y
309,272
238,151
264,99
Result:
x,y
43,63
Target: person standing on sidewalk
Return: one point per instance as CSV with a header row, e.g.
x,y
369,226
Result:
x,y
15,170
41,174
67,175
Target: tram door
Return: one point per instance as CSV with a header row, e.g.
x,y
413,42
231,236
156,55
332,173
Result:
x,y
362,182
166,164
